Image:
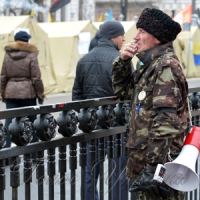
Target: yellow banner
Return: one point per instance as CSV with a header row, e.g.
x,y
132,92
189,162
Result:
x,y
196,48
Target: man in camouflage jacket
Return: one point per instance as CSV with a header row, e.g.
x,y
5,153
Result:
x,y
158,91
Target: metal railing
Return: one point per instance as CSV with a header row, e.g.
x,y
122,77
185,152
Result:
x,y
105,124
62,149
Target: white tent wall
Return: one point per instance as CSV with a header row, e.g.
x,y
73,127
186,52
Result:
x,y
65,57
7,26
181,48
64,42
4,38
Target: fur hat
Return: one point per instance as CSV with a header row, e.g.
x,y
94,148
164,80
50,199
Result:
x,y
111,29
22,36
158,24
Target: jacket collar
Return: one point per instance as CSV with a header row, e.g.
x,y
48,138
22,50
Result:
x,y
151,54
103,42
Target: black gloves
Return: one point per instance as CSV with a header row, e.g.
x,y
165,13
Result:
x,y
40,101
146,184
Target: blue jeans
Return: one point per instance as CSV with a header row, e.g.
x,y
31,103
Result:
x,y
17,103
97,172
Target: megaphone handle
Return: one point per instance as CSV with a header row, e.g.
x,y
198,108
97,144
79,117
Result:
x,y
189,112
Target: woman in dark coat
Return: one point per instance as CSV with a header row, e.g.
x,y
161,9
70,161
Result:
x,y
21,82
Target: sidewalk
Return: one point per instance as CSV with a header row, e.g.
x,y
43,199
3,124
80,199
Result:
x,y
193,82
66,97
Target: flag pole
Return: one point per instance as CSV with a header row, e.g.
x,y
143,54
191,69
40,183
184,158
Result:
x,y
52,14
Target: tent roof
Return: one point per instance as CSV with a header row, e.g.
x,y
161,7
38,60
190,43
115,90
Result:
x,y
97,24
63,29
128,24
8,22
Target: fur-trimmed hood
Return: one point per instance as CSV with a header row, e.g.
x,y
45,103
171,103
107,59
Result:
x,y
19,45
18,50
20,74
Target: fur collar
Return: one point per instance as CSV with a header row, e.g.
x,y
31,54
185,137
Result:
x,y
19,45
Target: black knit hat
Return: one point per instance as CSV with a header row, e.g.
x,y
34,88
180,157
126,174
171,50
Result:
x,y
22,36
111,29
158,24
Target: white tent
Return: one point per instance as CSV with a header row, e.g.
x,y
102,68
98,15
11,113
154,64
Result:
x,y
186,45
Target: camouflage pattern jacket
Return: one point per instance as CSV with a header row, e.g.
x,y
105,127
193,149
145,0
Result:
x,y
161,121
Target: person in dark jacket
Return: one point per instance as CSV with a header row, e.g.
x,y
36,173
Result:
x,y
94,71
94,80
21,82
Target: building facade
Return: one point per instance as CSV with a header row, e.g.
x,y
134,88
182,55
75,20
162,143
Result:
x,y
93,10
134,8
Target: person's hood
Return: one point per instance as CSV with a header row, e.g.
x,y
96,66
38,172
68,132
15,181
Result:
x,y
98,35
18,50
